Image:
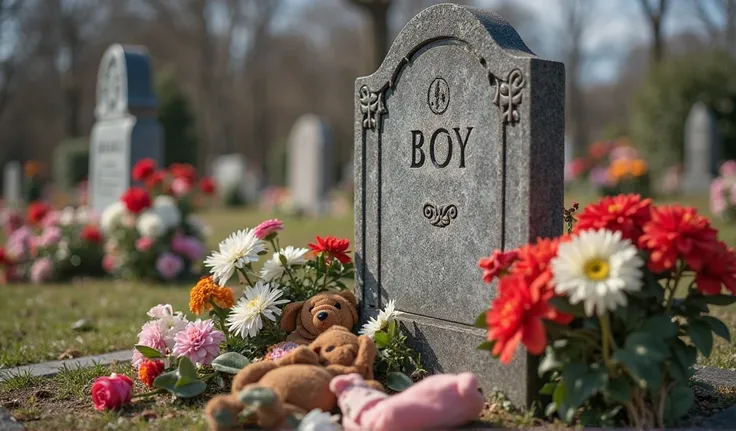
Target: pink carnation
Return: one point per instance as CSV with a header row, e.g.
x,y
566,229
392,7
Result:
x,y
153,336
41,270
268,227
717,199
50,236
199,342
161,310
180,187
53,218
143,244
728,168
169,265
109,263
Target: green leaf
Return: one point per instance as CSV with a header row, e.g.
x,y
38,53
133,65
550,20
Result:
x,y
393,328
190,390
550,410
646,347
186,372
701,336
660,326
230,362
619,390
486,345
720,300
220,382
148,352
382,339
562,304
166,381
548,388
549,362
717,326
679,400
480,321
646,373
559,394
262,395
583,382
398,382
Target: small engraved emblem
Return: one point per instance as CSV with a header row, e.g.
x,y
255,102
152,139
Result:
x,y
438,96
441,216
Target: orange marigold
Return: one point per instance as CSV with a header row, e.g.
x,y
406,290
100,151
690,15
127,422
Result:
x,y
149,370
206,292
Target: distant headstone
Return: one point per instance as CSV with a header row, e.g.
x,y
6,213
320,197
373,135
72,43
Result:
x,y
231,174
702,149
309,170
459,150
126,129
12,187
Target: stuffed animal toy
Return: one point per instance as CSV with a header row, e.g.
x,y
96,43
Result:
x,y
442,401
300,380
305,320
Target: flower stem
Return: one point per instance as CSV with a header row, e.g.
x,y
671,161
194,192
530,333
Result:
x,y
245,274
673,289
606,337
148,394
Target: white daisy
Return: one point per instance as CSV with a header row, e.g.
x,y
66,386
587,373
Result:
x,y
236,251
259,300
597,268
317,420
380,322
274,268
151,224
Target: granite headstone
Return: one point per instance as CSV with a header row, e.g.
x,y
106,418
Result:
x,y
232,176
459,150
309,173
126,129
12,187
702,147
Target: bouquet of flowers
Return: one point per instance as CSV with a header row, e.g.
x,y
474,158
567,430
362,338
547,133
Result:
x,y
723,192
613,167
50,245
151,232
618,309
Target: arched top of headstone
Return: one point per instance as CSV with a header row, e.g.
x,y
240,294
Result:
x,y
124,82
309,124
485,33
700,117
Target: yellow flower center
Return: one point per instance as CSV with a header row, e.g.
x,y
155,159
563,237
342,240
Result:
x,y
254,303
597,269
614,208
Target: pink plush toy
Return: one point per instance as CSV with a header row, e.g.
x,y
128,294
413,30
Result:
x,y
439,401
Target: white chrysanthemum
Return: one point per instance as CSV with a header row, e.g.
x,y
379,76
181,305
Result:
x,y
317,420
274,268
112,216
380,322
151,224
166,208
597,268
67,216
259,300
236,251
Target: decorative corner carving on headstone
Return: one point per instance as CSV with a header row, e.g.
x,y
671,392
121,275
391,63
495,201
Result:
x,y
440,216
372,107
508,95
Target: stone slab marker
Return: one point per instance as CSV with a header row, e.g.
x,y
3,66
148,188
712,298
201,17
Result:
x,y
458,151
126,129
702,149
12,186
309,169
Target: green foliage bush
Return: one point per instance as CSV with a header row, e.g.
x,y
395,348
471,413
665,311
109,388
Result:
x,y
177,119
71,162
661,105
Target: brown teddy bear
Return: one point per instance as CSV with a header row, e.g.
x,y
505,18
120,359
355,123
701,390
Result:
x,y
305,320
300,380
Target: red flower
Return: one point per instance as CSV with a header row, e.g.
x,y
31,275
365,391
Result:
x,y
149,370
497,264
143,169
37,211
599,149
184,171
110,393
207,185
90,233
625,213
332,247
156,180
676,232
517,315
3,257
136,200
718,269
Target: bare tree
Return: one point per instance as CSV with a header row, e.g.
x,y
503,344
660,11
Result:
x,y
9,10
719,20
654,12
378,12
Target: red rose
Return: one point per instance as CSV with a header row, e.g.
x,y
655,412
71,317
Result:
x,y
3,257
156,180
207,185
149,370
136,200
143,169
37,211
333,248
497,264
111,393
90,233
184,171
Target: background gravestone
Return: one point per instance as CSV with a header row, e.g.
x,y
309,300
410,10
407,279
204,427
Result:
x,y
309,169
126,130
12,186
235,182
459,150
702,149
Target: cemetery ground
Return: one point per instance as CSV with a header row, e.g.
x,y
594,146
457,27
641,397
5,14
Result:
x,y
39,325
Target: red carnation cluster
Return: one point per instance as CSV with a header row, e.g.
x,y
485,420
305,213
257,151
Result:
x,y
625,213
332,247
207,185
37,211
184,171
143,170
136,200
91,234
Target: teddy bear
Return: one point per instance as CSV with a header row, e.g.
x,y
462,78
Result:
x,y
300,380
305,320
442,401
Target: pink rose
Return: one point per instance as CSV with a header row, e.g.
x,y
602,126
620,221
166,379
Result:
x,y
143,244
180,187
728,168
111,393
109,263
